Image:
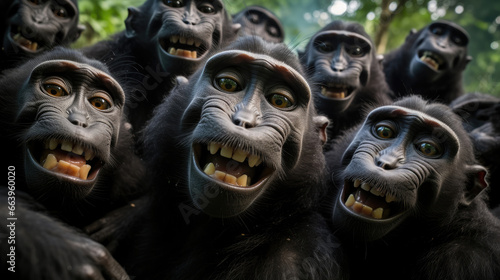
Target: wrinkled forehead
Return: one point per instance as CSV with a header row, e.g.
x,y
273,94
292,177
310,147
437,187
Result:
x,y
247,59
348,37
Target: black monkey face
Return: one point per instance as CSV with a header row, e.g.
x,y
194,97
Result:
x,y
395,168
75,112
256,20
185,31
247,116
341,61
38,25
440,50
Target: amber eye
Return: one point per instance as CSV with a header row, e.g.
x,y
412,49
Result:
x,y
174,3
280,101
206,9
100,103
54,90
384,132
60,12
228,84
428,149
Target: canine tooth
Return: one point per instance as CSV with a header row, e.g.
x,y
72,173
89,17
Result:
x,y
214,147
197,43
174,39
50,162
230,179
323,91
367,210
194,54
89,155
84,172
53,144
377,213
389,198
179,52
366,187
67,146
219,175
62,166
357,207
34,46
16,37
182,40
239,155
242,181
209,169
190,41
376,192
77,149
350,201
357,183
226,152
259,162
172,50
252,160
73,170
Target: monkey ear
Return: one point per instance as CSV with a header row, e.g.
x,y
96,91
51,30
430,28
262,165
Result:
x,y
321,124
130,28
412,32
477,181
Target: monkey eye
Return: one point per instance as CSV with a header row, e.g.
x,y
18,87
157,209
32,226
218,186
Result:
x,y
429,149
280,101
323,46
54,87
253,18
100,103
458,40
437,30
384,132
60,12
174,3
228,84
355,51
206,9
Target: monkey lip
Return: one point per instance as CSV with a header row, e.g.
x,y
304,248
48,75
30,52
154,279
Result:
x,y
369,201
336,91
66,159
183,46
232,166
30,45
432,59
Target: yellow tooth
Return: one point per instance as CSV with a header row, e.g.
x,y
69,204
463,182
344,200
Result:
x,y
34,46
226,152
179,52
357,183
67,146
239,155
172,50
357,207
174,39
53,144
50,162
219,175
190,41
366,187
214,147
84,172
182,40
209,169
367,210
377,213
259,162
389,198
230,179
73,170
194,54
350,201
63,166
252,160
16,37
376,192
323,91
242,180
77,149
89,155
197,43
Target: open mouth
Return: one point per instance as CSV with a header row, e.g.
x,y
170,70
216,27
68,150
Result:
x,y
336,91
188,47
362,198
66,158
232,166
27,44
432,59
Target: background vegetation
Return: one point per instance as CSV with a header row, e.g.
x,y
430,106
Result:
x,y
387,21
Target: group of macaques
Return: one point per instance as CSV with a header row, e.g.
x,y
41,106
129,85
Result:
x,y
195,144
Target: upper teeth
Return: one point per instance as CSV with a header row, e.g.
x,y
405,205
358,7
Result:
x,y
186,41
375,191
431,59
25,42
69,147
339,92
235,154
359,207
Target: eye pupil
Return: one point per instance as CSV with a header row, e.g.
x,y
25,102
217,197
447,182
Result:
x,y
384,132
280,101
228,84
